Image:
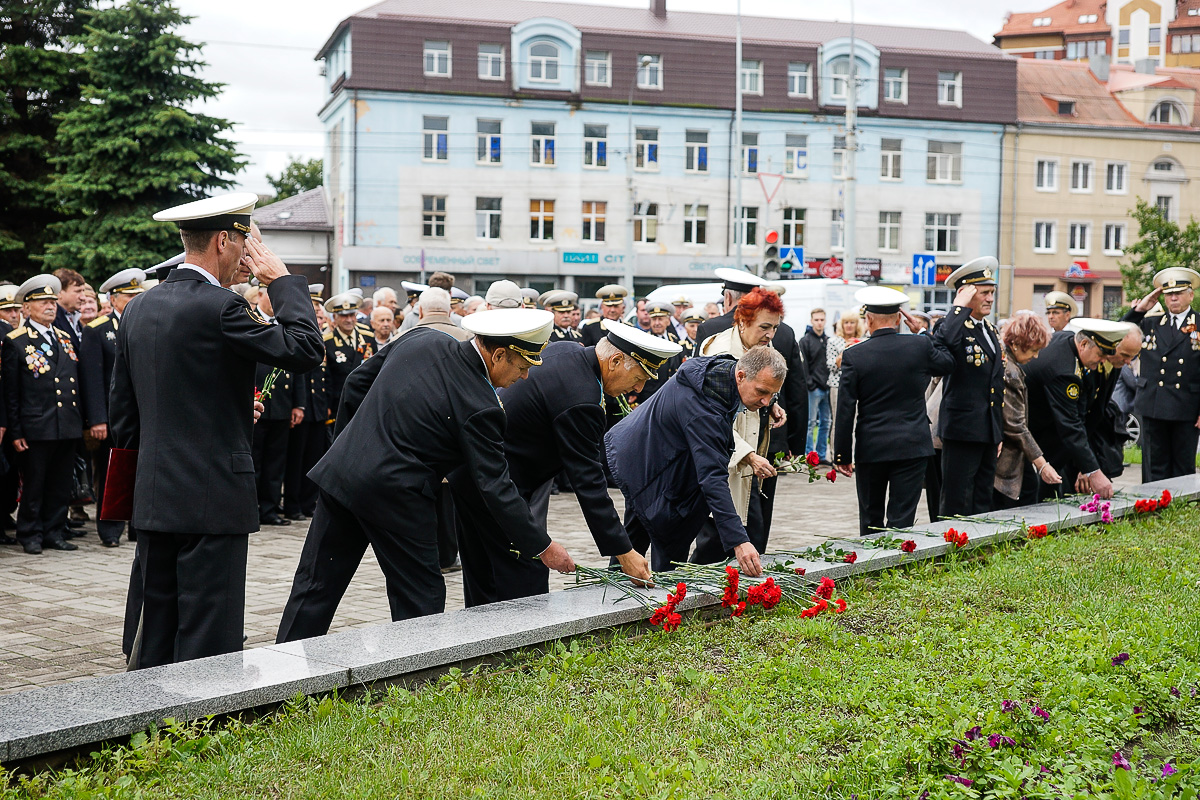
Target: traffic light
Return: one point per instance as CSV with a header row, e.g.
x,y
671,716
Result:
x,y
770,259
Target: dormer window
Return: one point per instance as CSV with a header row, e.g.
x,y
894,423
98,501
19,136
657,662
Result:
x,y
543,63
1041,22
1167,113
1066,108
1087,19
839,70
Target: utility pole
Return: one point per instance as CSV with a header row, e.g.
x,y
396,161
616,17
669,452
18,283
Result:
x,y
628,268
850,192
738,228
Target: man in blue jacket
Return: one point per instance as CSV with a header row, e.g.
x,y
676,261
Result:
x,y
670,457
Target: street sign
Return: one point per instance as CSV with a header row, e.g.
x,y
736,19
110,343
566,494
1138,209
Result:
x,y
770,184
830,268
924,271
792,260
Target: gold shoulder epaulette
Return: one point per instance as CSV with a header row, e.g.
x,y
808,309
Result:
x,y
98,321
328,335
15,333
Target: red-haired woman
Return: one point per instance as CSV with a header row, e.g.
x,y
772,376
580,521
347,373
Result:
x,y
755,320
1020,457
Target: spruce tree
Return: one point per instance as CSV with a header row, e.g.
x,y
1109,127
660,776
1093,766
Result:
x,y
133,147
39,79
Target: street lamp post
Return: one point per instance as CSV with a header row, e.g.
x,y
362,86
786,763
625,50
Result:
x,y
631,255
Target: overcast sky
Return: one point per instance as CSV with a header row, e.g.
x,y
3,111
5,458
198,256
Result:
x,y
262,50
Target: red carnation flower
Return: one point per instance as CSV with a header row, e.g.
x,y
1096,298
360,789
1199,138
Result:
x,y
831,476
731,577
738,610
658,616
850,557
826,588
841,605
672,622
680,590
1165,500
812,458
908,546
800,570
809,613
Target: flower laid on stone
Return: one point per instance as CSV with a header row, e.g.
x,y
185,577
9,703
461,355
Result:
x,y
908,546
1036,531
812,459
831,476
666,615
730,598
851,557
957,538
766,594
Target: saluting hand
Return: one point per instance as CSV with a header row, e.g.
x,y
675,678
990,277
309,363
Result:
x,y
914,324
1147,302
967,297
265,265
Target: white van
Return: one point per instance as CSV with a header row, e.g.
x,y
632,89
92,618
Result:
x,y
802,296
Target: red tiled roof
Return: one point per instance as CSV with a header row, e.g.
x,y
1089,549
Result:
x,y
1064,18
1042,84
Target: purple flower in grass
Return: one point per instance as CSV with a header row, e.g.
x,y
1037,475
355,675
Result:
x,y
1120,762
1168,770
960,780
1119,659
958,752
1038,711
1137,711
1007,706
995,740
1174,691
973,734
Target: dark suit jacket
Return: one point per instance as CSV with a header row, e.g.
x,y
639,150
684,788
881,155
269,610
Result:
x,y
973,395
883,383
430,410
63,323
42,392
98,354
343,354
1058,400
1169,378
289,391
182,394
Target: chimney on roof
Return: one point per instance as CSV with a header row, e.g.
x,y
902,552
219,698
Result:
x,y
1145,65
659,8
1098,64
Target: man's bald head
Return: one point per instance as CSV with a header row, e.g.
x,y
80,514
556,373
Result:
x,y
1127,349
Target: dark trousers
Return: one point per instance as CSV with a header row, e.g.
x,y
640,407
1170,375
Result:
x,y
448,527
665,554
307,442
894,485
758,526
337,540
968,475
47,476
109,530
10,481
269,449
492,570
1168,448
933,485
133,604
194,596
1030,487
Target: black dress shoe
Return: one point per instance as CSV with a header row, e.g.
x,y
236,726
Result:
x,y
58,544
32,548
274,519
75,524
111,542
297,517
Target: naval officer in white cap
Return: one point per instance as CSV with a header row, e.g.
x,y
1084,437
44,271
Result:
x,y
183,398
432,410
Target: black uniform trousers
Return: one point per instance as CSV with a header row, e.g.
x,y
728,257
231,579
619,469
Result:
x,y
194,596
491,571
933,485
1168,448
10,482
448,529
307,442
968,477
109,530
708,548
269,448
891,485
47,482
337,540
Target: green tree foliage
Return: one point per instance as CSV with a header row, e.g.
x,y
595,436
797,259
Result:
x,y
1161,243
298,176
39,79
132,147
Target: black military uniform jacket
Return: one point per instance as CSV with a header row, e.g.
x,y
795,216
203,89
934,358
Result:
x,y
289,391
1104,421
590,333
1057,385
884,379
973,395
342,355
565,335
1169,377
317,405
98,354
183,390
431,410
665,372
43,395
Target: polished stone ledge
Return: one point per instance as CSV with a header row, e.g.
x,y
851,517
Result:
x,y
57,718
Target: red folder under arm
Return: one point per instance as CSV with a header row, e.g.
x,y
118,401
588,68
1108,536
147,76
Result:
x,y
118,485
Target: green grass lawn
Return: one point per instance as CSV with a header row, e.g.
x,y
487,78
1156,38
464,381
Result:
x,y
867,704
1133,455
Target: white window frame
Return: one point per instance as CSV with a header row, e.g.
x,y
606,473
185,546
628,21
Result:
x,y
946,160
838,78
645,223
1167,208
695,224
1123,172
952,226
1075,248
492,60
798,70
752,77
747,227
889,231
837,230
945,85
542,144
838,159
889,81
485,216
429,141
589,63
692,152
591,148
1038,173
646,151
1109,227
486,140
433,218
1176,116
448,52
595,221
1086,169
795,163
747,149
1051,228
650,76
891,162
543,218
791,233
543,63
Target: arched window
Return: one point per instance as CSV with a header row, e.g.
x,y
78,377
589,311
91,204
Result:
x,y
1167,113
543,62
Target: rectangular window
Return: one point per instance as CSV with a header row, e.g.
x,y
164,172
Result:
x,y
799,79
1114,177
796,157
889,231
837,230
793,227
595,146
646,149
944,162
1163,204
1046,175
748,227
433,216
1123,37
696,152
543,62
491,62
941,232
695,224
651,75
1114,239
645,222
889,167
1081,176
597,68
541,220
1079,238
437,59
839,157
895,85
752,77
487,217
487,141
543,144
950,89
593,220
1044,237
436,145
750,153
1155,34
1114,298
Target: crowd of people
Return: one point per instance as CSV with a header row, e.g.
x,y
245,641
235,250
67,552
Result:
x,y
434,426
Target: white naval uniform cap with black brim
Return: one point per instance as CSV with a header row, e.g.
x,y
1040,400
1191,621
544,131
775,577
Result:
x,y
1062,301
612,294
163,269
738,280
559,300
8,296
315,290
693,315
413,290
976,272
457,295
39,287
648,350
224,212
1176,279
127,281
529,297
1104,332
344,303
660,308
880,299
522,330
